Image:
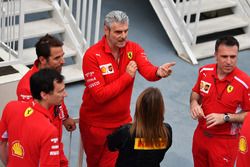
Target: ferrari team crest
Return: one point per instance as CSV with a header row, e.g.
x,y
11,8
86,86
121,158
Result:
x,y
230,88
28,112
130,55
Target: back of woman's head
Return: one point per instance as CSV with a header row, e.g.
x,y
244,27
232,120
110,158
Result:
x,y
149,115
150,107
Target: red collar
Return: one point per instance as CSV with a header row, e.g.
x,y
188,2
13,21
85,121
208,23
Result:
x,y
227,78
42,110
107,48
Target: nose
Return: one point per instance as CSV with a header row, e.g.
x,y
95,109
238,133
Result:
x,y
228,60
62,61
123,34
65,94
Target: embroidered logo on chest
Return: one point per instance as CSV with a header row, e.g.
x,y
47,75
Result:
x,y
130,55
205,86
107,69
230,88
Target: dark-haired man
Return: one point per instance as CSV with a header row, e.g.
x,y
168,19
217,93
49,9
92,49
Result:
x,y
219,100
49,55
33,140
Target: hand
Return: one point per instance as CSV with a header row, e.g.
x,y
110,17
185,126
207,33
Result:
x,y
69,124
131,68
214,119
196,111
165,70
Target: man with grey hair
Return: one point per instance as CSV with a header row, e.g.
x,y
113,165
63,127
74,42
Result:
x,y
109,69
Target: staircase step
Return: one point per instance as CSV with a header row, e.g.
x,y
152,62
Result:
x,y
218,24
72,73
209,5
29,54
22,69
206,49
32,6
38,28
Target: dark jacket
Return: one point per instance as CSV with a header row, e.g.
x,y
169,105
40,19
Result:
x,y
129,156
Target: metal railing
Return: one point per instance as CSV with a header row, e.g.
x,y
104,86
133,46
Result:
x,y
80,150
80,14
10,31
77,14
184,13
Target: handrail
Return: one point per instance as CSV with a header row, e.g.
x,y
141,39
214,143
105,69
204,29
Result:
x,y
80,151
82,16
183,10
8,29
245,4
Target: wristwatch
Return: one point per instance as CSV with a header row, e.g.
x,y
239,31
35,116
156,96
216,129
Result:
x,y
226,117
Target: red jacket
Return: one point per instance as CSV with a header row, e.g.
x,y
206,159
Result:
x,y
33,139
106,99
24,94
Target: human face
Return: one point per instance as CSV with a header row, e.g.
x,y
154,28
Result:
x,y
226,58
116,35
57,95
55,60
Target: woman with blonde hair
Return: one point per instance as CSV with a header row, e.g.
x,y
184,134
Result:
x,y
146,140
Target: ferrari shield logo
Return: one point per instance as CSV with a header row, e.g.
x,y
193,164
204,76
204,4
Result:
x,y
28,112
230,88
130,55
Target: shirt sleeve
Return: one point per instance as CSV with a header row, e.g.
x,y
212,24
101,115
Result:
x,y
196,87
50,150
23,94
118,138
246,98
101,91
4,125
65,111
145,67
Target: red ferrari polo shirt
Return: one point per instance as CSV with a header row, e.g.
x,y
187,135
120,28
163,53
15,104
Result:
x,y
33,140
230,95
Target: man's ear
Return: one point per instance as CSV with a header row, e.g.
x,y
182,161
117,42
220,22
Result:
x,y
106,30
215,56
44,95
42,60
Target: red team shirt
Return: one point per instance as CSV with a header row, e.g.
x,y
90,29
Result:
x,y
230,95
106,98
244,144
24,94
32,138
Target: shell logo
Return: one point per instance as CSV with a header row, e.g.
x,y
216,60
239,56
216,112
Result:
x,y
243,145
17,149
103,69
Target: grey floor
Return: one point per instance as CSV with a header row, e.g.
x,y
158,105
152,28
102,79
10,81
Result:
x,y
146,30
